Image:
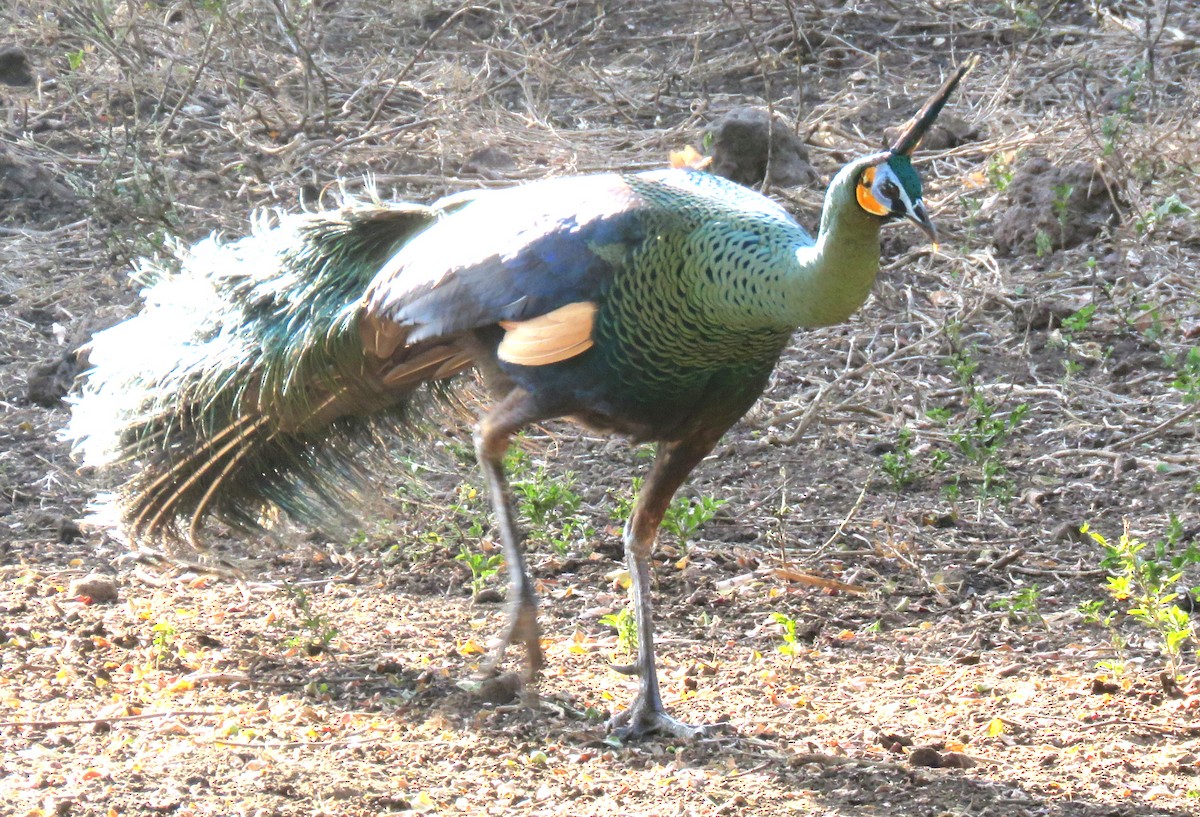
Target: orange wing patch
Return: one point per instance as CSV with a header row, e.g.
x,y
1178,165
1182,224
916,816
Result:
x,y
550,338
690,157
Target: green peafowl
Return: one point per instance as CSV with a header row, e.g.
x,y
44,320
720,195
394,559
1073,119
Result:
x,y
653,305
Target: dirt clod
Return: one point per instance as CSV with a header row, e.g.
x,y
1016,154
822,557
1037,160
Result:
x,y
747,146
15,69
948,132
500,689
1066,205
30,188
925,756
49,381
1035,314
96,586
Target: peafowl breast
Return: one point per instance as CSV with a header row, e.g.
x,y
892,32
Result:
x,y
653,305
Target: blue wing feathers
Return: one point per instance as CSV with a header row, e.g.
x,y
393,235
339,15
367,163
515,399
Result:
x,y
514,254
509,255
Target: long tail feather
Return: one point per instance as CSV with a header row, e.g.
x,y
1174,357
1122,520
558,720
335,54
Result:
x,y
916,127
242,383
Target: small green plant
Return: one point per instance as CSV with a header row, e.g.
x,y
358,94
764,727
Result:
x,y
982,437
1022,605
1043,243
1143,583
973,207
1062,209
1113,666
1079,320
982,433
468,507
1170,206
1112,129
685,517
542,499
898,463
939,414
572,533
1025,16
1093,612
624,500
548,504
625,623
1149,322
962,360
1187,375
163,641
1000,171
75,59
1070,369
321,630
1073,324
790,647
1114,126
482,566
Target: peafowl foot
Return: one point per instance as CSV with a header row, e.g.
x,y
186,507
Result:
x,y
641,720
523,629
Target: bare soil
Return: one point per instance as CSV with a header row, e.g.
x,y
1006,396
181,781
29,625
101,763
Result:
x,y
889,495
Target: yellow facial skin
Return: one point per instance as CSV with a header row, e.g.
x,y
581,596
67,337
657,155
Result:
x,y
866,199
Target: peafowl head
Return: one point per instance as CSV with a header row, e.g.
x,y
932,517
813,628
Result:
x,y
892,189
889,185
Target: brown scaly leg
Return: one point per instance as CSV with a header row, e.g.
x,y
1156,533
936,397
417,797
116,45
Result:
x,y
492,437
673,462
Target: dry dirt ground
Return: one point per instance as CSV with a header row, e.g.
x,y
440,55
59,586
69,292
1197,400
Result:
x,y
908,494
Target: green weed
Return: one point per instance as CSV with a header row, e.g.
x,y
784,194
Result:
x,y
320,630
1000,170
163,641
625,623
790,647
1043,243
1022,605
542,499
1093,612
1187,375
1154,328
482,566
684,517
980,435
1169,207
981,438
1079,320
1143,583
898,464
1062,209
574,534
1072,325
1116,125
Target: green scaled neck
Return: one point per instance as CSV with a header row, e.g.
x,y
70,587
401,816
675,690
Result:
x,y
834,276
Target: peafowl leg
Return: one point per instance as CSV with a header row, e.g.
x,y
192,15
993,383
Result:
x,y
674,461
492,438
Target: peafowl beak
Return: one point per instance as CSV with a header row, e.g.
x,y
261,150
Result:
x,y
917,215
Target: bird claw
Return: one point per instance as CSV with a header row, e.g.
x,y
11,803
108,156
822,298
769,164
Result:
x,y
640,720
